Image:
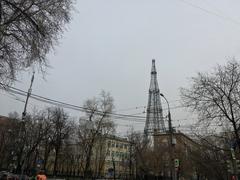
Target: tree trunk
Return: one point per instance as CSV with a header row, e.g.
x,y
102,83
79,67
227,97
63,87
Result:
x,y
46,156
114,168
55,161
87,172
236,135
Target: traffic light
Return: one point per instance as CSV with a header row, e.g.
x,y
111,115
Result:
x,y
230,166
176,163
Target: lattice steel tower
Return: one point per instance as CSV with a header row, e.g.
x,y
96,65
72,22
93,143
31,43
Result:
x,y
154,120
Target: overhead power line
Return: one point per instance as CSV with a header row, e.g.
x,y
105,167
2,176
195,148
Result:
x,y
115,116
226,18
144,106
18,91
66,105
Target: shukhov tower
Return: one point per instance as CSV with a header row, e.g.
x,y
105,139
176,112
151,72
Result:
x,y
154,120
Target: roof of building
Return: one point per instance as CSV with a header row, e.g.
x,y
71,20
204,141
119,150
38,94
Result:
x,y
113,137
178,134
4,120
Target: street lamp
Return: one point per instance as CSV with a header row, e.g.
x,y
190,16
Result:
x,y
172,142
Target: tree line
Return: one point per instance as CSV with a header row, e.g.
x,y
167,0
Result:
x,y
54,141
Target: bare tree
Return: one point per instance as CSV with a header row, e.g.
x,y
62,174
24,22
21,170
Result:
x,y
44,135
140,155
209,159
8,136
96,124
215,97
60,130
36,129
28,31
22,142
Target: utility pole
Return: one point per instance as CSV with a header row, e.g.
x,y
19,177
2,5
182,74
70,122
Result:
x,y
130,160
172,143
22,125
171,146
28,95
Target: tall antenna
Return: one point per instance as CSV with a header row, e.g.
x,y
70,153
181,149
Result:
x,y
154,120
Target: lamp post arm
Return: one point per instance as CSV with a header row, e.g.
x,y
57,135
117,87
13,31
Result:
x,y
169,114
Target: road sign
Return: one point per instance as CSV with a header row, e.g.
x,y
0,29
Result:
x,y
39,161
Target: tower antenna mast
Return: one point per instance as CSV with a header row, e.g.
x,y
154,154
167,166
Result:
x,y
154,119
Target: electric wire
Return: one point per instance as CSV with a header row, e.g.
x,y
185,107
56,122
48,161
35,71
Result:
x,y
131,119
121,117
71,106
227,18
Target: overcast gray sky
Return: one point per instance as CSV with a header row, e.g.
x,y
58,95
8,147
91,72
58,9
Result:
x,y
109,45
